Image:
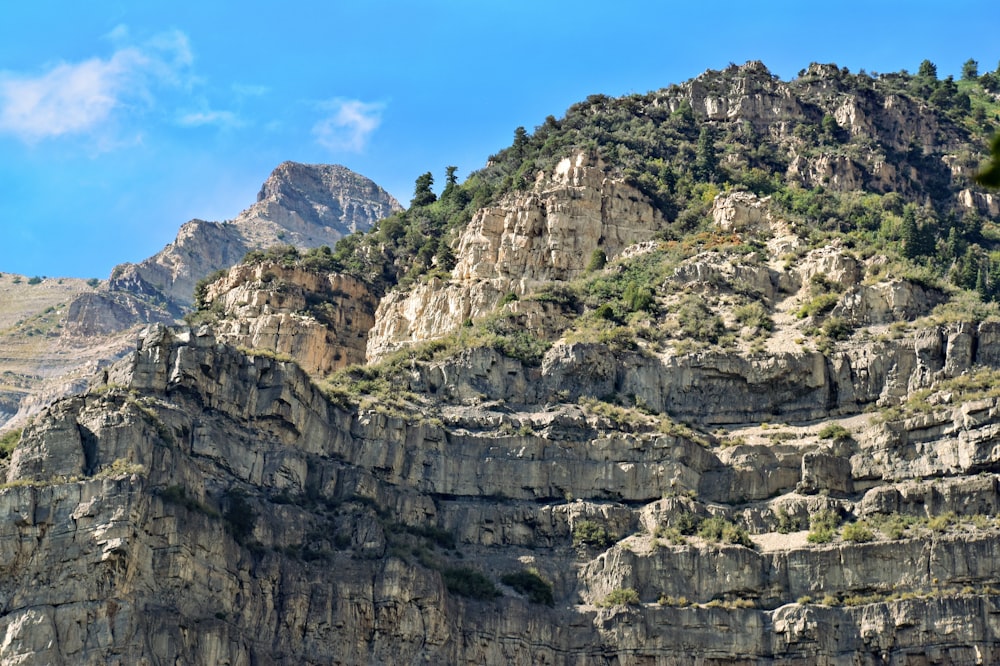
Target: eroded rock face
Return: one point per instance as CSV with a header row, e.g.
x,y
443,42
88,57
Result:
x,y
548,233
886,302
981,202
140,545
321,320
200,249
104,313
742,212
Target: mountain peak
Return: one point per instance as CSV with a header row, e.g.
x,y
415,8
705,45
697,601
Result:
x,y
328,195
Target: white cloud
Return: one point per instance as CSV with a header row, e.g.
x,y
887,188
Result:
x,y
349,124
199,118
74,98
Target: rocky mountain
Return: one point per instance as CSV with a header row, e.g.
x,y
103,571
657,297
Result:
x,y
303,205
707,375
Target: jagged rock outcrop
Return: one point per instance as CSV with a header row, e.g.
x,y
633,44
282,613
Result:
x,y
886,302
548,233
106,313
982,202
742,212
320,320
200,248
893,123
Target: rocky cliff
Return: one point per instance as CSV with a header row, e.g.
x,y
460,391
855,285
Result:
x,y
625,411
321,320
546,234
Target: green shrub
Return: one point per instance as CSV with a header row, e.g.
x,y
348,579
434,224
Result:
x,y
35,280
597,260
688,523
467,582
697,321
437,536
942,522
529,583
837,328
638,298
621,597
121,467
893,526
177,494
824,519
667,600
817,305
240,516
754,315
564,295
786,522
607,312
591,533
201,288
509,297
834,431
8,441
718,528
858,532
319,260
671,534
822,526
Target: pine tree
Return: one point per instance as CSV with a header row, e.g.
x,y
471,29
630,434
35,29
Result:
x,y
911,234
520,142
706,165
450,182
422,194
970,70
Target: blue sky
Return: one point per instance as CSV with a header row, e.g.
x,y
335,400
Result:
x,y
120,120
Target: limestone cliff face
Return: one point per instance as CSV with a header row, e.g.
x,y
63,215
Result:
x,y
548,233
200,248
320,320
892,123
209,507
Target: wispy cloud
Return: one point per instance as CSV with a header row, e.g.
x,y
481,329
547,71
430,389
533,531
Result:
x,y
75,98
349,124
226,119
